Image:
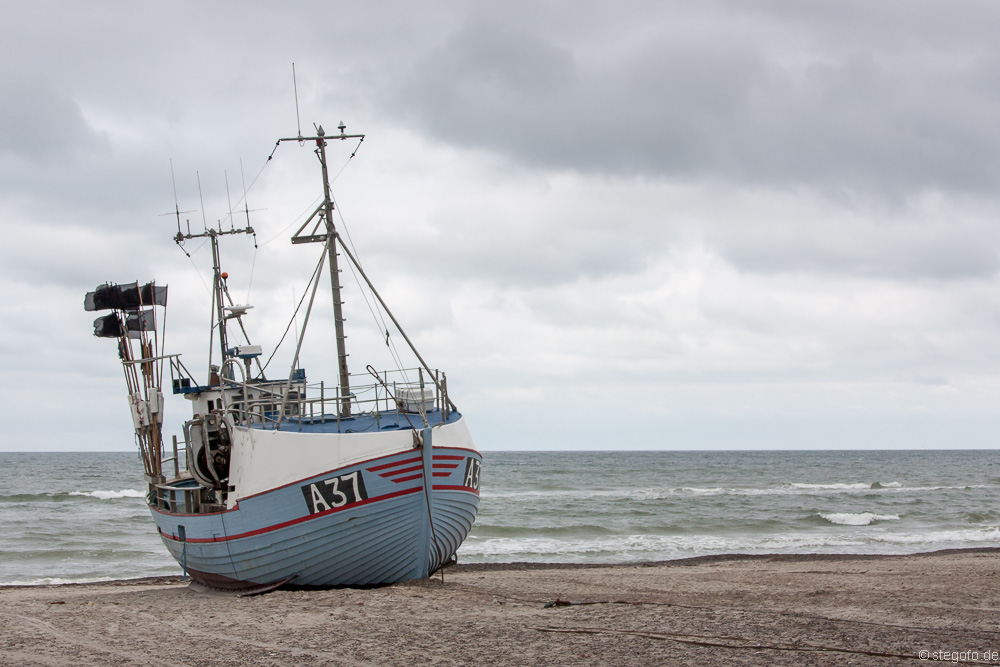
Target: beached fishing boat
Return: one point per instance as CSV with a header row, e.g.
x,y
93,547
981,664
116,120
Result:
x,y
372,480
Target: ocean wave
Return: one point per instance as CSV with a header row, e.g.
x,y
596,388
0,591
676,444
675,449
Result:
x,y
635,548
787,489
858,518
110,495
962,537
836,486
71,496
577,530
56,581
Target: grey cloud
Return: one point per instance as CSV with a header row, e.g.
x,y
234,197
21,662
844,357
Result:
x,y
40,123
512,247
735,94
486,83
945,249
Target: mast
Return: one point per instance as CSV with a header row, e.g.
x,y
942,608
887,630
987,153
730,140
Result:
x,y
218,286
338,312
325,211
219,314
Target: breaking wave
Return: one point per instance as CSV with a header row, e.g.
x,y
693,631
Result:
x,y
633,548
71,496
858,518
110,495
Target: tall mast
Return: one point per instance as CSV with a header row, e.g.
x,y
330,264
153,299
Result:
x,y
338,311
326,213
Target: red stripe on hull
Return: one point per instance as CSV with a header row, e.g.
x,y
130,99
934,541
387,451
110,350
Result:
x,y
357,463
407,479
292,522
399,472
393,465
454,487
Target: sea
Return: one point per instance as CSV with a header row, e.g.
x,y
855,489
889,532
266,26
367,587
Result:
x,y
80,517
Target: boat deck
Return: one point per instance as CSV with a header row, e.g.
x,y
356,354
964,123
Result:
x,y
368,422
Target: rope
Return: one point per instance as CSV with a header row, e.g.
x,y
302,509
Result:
x,y
266,162
376,311
346,162
292,319
253,266
377,315
430,514
730,642
195,266
423,468
312,207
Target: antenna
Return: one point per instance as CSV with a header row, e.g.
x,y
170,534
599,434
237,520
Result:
x,y
247,209
295,87
229,200
177,209
204,222
246,204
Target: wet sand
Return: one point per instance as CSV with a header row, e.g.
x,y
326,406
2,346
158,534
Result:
x,y
727,610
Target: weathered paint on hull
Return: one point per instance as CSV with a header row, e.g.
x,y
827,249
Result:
x,y
290,533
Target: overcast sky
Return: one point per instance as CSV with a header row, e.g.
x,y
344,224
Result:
x,y
629,225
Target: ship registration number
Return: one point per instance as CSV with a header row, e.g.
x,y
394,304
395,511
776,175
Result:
x,y
335,492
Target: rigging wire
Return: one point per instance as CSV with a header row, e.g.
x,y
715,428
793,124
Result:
x,y
246,206
253,265
196,269
315,276
347,161
309,209
377,315
266,162
312,206
376,311
246,190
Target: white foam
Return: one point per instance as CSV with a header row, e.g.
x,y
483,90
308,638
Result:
x,y
632,548
787,489
110,495
711,491
55,581
858,518
961,537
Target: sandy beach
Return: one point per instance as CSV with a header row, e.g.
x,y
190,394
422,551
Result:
x,y
732,610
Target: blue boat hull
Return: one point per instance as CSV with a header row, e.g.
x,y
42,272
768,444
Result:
x,y
389,519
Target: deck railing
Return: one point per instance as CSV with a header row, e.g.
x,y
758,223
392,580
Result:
x,y
270,403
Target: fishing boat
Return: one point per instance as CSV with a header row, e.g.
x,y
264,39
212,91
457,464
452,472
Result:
x,y
371,480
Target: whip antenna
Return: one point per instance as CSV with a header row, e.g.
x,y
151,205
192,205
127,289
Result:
x,y
201,198
229,201
177,209
295,87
